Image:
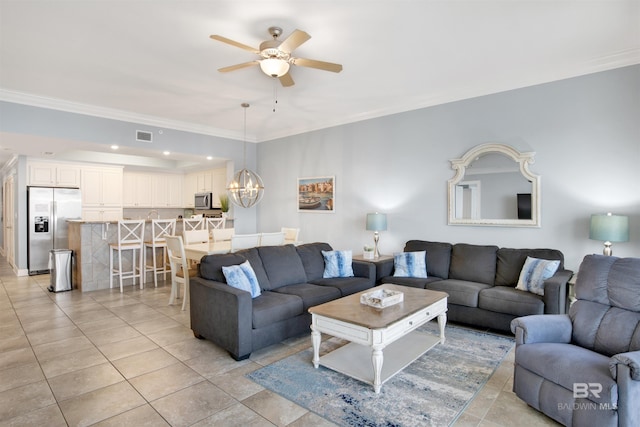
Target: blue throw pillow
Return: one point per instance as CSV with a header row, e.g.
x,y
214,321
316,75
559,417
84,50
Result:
x,y
337,264
242,277
410,264
534,272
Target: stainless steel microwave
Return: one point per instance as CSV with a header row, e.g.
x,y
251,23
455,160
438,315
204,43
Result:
x,y
203,200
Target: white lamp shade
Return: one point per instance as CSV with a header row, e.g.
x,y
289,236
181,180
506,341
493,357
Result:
x,y
274,67
609,228
376,221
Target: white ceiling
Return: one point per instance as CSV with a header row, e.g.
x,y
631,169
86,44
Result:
x,y
153,62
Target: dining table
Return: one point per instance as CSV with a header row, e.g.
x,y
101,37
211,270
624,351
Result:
x,y
195,251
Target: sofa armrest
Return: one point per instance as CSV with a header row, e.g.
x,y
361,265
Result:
x,y
555,292
222,314
630,359
555,328
364,269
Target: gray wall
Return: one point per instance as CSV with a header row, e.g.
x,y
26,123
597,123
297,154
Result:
x,y
585,131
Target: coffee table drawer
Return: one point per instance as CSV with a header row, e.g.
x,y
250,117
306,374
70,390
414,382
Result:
x,y
408,324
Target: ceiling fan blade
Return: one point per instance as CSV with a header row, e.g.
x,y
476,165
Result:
x,y
234,43
321,65
238,66
294,40
286,80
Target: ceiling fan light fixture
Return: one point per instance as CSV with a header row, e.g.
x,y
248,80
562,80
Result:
x,y
274,67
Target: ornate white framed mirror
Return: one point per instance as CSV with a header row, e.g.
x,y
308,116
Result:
x,y
493,186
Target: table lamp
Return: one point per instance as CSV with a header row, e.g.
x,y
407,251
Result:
x,y
376,222
609,228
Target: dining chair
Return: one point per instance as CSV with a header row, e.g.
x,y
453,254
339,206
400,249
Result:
x,y
244,241
223,234
159,229
195,236
130,239
180,271
193,224
272,239
215,223
290,235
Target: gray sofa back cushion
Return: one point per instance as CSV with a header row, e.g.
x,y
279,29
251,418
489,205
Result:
x,y
211,266
438,256
283,265
312,259
606,314
510,262
473,263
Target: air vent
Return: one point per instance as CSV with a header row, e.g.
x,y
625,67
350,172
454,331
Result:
x,y
144,136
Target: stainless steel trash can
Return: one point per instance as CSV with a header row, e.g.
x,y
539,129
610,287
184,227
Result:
x,y
60,266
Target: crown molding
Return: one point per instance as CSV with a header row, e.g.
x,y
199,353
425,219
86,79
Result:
x,y
114,114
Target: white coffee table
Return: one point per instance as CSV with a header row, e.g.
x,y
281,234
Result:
x,y
377,335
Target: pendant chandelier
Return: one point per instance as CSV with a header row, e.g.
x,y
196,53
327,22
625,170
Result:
x,y
246,188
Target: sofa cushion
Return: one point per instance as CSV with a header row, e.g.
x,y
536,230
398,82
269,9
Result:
x,y
505,299
567,364
438,256
254,259
410,264
473,263
461,292
337,264
346,285
272,307
312,259
283,265
414,282
310,294
510,262
242,277
210,266
534,272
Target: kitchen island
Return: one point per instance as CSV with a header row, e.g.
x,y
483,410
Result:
x,y
89,241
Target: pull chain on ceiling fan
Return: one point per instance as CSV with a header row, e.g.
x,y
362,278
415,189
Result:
x,y
276,59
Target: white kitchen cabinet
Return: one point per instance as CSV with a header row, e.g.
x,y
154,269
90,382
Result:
x,y
54,174
219,185
204,181
137,190
101,214
101,187
189,188
167,191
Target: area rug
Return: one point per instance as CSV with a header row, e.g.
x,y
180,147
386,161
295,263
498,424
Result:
x,y
433,390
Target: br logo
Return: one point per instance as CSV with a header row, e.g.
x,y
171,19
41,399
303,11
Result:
x,y
583,390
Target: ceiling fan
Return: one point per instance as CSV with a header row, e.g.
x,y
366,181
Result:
x,y
275,55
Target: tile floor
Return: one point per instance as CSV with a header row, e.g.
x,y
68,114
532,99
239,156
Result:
x,y
110,359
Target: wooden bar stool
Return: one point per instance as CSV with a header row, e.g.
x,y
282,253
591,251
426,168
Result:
x,y
130,239
160,228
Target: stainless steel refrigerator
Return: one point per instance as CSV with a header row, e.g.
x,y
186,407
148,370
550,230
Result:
x,y
48,210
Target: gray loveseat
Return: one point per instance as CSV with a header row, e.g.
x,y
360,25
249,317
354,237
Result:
x,y
291,281
481,281
583,369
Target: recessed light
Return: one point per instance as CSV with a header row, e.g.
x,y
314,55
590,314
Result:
x,y
166,153
114,147
48,153
209,158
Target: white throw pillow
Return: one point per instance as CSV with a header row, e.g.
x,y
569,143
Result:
x,y
410,264
337,264
534,272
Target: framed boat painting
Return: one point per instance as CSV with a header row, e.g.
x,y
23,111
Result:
x,y
317,194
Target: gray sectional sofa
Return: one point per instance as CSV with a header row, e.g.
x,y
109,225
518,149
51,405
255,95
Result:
x,y
481,281
291,281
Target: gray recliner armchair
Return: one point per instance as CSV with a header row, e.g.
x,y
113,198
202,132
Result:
x,y
583,369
